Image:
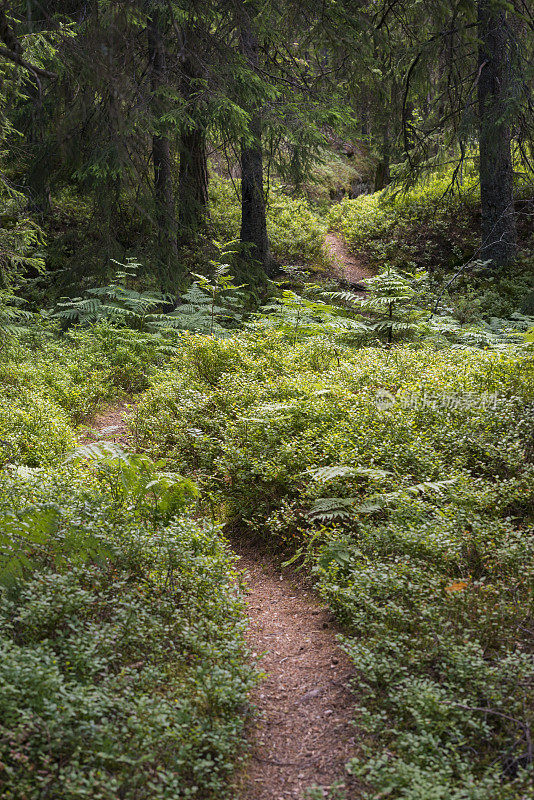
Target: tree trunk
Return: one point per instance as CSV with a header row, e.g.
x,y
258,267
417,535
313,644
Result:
x,y
193,176
161,154
253,216
499,238
253,212
193,182
382,174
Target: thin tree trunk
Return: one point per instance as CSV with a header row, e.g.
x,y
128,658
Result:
x,y
193,175
161,153
382,174
499,238
253,212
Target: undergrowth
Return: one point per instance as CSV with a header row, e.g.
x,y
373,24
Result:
x,y
121,644
51,384
402,478
386,450
122,660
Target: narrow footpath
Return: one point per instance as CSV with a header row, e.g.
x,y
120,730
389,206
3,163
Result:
x,y
347,266
302,732
302,735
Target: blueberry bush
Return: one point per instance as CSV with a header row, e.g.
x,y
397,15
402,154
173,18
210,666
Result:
x,y
401,478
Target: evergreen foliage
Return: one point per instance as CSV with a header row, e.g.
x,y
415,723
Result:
x,y
377,431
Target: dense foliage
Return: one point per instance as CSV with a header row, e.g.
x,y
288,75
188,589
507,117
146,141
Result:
x,y
402,478
121,619
169,172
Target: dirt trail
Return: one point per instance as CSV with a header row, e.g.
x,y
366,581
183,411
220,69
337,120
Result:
x,y
347,265
109,425
303,734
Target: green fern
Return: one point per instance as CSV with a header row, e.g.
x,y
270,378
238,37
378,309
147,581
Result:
x,y
326,474
97,452
209,302
14,319
495,334
116,302
137,481
391,305
202,309
300,317
329,508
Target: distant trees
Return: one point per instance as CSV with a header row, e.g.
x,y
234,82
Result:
x,y
123,101
463,73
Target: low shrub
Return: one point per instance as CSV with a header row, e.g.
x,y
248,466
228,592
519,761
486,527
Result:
x,y
51,384
402,477
121,646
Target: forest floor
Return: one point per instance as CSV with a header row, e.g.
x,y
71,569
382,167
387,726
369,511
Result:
x,y
302,732
348,267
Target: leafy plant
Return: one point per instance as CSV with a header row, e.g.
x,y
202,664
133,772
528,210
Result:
x,y
210,305
30,540
14,317
137,481
329,508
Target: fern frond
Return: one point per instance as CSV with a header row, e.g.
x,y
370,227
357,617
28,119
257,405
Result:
x,y
328,509
325,474
97,451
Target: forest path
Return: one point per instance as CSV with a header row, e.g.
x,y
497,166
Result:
x,y
108,424
302,734
348,266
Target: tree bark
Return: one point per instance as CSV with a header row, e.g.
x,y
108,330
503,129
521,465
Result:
x,y
253,211
193,175
193,182
161,152
382,174
499,237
